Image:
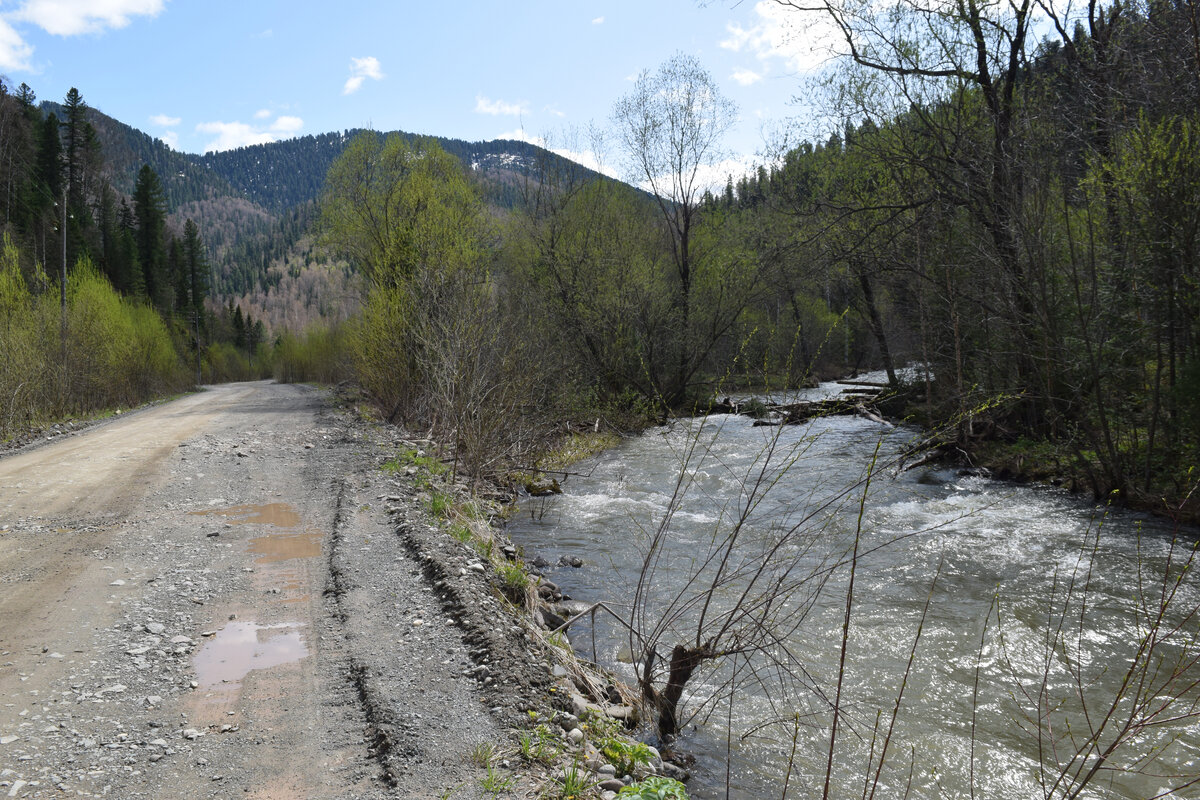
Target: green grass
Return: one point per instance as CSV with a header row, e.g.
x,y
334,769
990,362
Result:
x,y
497,781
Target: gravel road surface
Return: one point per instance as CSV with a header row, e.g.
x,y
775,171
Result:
x,y
223,596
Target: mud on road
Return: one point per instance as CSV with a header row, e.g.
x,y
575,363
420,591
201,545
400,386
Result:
x,y
223,596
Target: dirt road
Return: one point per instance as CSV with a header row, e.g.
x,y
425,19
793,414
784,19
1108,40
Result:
x,y
209,599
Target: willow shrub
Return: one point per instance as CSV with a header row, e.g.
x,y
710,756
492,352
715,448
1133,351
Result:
x,y
321,354
115,352
118,351
224,362
25,375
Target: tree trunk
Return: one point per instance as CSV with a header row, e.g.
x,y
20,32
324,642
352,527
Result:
x,y
684,661
876,323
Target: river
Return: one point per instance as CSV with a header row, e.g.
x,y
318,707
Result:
x,y
1026,600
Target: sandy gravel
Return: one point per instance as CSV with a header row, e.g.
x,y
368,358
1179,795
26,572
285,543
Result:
x,y
223,596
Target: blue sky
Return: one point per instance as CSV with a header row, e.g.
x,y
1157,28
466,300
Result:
x,y
214,74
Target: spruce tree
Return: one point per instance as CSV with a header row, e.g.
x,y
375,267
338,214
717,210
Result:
x,y
150,213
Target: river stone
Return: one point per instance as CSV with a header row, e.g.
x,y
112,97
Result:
x,y
575,736
553,621
611,785
572,608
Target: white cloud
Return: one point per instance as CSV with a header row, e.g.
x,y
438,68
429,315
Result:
x,y
746,77
163,121
231,135
14,52
360,70
287,124
498,107
170,139
554,112
801,42
262,113
598,21
74,17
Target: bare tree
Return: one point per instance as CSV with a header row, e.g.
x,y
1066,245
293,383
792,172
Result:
x,y
670,128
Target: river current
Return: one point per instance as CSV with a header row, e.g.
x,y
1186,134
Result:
x,y
1030,605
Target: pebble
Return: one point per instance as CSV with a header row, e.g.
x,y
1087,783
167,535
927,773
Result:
x,y
575,736
8,739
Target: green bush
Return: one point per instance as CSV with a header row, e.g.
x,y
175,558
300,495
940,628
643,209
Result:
x,y
111,352
321,354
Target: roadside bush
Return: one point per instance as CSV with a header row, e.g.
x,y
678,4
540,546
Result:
x,y
320,354
24,375
116,352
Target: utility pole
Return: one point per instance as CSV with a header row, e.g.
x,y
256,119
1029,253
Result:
x,y
196,323
62,284
62,305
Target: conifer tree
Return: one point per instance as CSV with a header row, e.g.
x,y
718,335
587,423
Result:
x,y
150,213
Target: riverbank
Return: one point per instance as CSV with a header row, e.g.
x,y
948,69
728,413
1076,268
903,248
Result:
x,y
571,722
988,447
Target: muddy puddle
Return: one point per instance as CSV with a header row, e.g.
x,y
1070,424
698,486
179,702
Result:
x,y
240,647
281,515
271,548
275,547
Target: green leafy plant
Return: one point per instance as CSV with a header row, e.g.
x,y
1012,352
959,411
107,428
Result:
x,y
624,754
655,788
